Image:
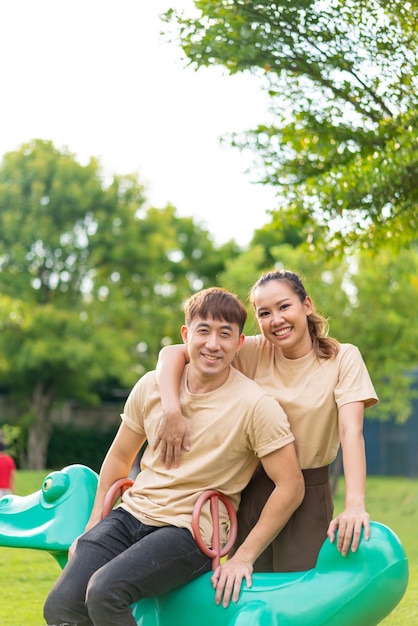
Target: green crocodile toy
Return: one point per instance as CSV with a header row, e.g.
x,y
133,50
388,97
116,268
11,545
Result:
x,y
357,590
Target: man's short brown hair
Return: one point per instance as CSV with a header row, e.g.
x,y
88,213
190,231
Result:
x,y
216,303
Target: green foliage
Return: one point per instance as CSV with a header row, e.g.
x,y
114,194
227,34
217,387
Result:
x,y
47,207
342,79
382,317
91,282
11,436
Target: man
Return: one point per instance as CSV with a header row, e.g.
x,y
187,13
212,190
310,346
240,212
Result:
x,y
145,547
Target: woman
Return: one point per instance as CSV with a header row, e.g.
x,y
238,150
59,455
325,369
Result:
x,y
324,388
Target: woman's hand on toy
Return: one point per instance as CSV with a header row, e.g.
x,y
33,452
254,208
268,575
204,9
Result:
x,y
227,579
349,524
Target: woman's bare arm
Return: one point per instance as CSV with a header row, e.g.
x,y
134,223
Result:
x,y
354,517
173,432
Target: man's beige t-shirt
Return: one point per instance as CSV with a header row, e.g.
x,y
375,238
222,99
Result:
x,y
231,428
310,391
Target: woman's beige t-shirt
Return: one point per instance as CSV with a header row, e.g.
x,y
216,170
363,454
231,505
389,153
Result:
x,y
231,428
310,391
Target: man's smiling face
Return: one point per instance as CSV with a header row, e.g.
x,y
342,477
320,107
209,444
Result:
x,y
212,345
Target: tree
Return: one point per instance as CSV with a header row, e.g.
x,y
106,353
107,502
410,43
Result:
x,y
91,282
342,76
383,317
50,355
55,341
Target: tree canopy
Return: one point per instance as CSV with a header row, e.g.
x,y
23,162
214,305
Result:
x,y
91,282
340,143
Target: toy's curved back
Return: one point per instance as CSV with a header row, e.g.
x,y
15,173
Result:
x,y
358,590
361,588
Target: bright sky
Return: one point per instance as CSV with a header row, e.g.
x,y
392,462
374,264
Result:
x,y
95,76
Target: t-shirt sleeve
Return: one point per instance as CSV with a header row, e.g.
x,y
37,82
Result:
x,y
269,428
133,413
354,382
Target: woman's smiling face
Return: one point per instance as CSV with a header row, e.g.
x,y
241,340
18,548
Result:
x,y
282,317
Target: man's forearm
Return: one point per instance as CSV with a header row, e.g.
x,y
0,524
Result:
x,y
110,472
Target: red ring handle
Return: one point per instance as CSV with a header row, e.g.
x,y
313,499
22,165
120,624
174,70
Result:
x,y
114,493
215,552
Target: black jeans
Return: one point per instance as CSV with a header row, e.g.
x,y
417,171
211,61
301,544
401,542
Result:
x,y
116,563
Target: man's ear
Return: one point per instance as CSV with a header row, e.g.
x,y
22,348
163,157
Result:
x,y
240,342
184,333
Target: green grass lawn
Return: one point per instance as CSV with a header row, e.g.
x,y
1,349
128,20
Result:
x,y
27,575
